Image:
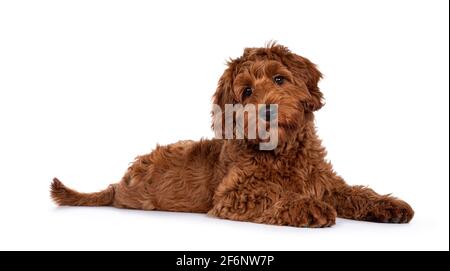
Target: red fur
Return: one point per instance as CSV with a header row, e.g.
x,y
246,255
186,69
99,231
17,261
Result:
x,y
291,185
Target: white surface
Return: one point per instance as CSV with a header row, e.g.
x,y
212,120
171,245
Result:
x,y
85,86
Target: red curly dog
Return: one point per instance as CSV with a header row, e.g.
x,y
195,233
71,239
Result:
x,y
291,185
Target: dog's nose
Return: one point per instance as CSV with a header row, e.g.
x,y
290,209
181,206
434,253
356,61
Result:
x,y
268,112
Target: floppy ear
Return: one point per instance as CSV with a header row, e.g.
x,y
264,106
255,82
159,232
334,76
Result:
x,y
224,91
305,69
314,76
223,95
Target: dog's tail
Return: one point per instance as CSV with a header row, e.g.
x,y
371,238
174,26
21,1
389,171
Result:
x,y
64,196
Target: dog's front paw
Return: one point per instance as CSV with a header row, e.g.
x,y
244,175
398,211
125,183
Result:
x,y
390,210
316,214
307,213
300,213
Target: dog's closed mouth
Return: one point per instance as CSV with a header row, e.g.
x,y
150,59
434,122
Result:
x,y
255,178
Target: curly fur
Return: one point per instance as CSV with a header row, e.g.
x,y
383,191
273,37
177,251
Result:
x,y
232,179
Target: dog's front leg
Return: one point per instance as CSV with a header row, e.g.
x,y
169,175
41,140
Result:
x,y
262,202
362,203
298,211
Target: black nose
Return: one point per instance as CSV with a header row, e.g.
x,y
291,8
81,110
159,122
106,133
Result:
x,y
268,112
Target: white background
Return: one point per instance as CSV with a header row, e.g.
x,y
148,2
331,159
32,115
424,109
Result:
x,y
85,86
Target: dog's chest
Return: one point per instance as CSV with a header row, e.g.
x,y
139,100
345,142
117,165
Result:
x,y
286,172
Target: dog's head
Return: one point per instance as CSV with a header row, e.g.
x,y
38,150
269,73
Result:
x,y
271,75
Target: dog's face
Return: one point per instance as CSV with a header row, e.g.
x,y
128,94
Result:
x,y
272,75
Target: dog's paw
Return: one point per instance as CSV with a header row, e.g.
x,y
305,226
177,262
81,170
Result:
x,y
317,214
300,213
390,210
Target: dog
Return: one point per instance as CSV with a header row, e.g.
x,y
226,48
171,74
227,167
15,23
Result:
x,y
291,184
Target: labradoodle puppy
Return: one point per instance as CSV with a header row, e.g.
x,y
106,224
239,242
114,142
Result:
x,y
290,184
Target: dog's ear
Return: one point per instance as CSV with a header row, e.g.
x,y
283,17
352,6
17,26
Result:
x,y
224,91
312,81
224,95
304,69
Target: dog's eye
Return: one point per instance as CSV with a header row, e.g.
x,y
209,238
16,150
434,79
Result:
x,y
247,92
279,80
